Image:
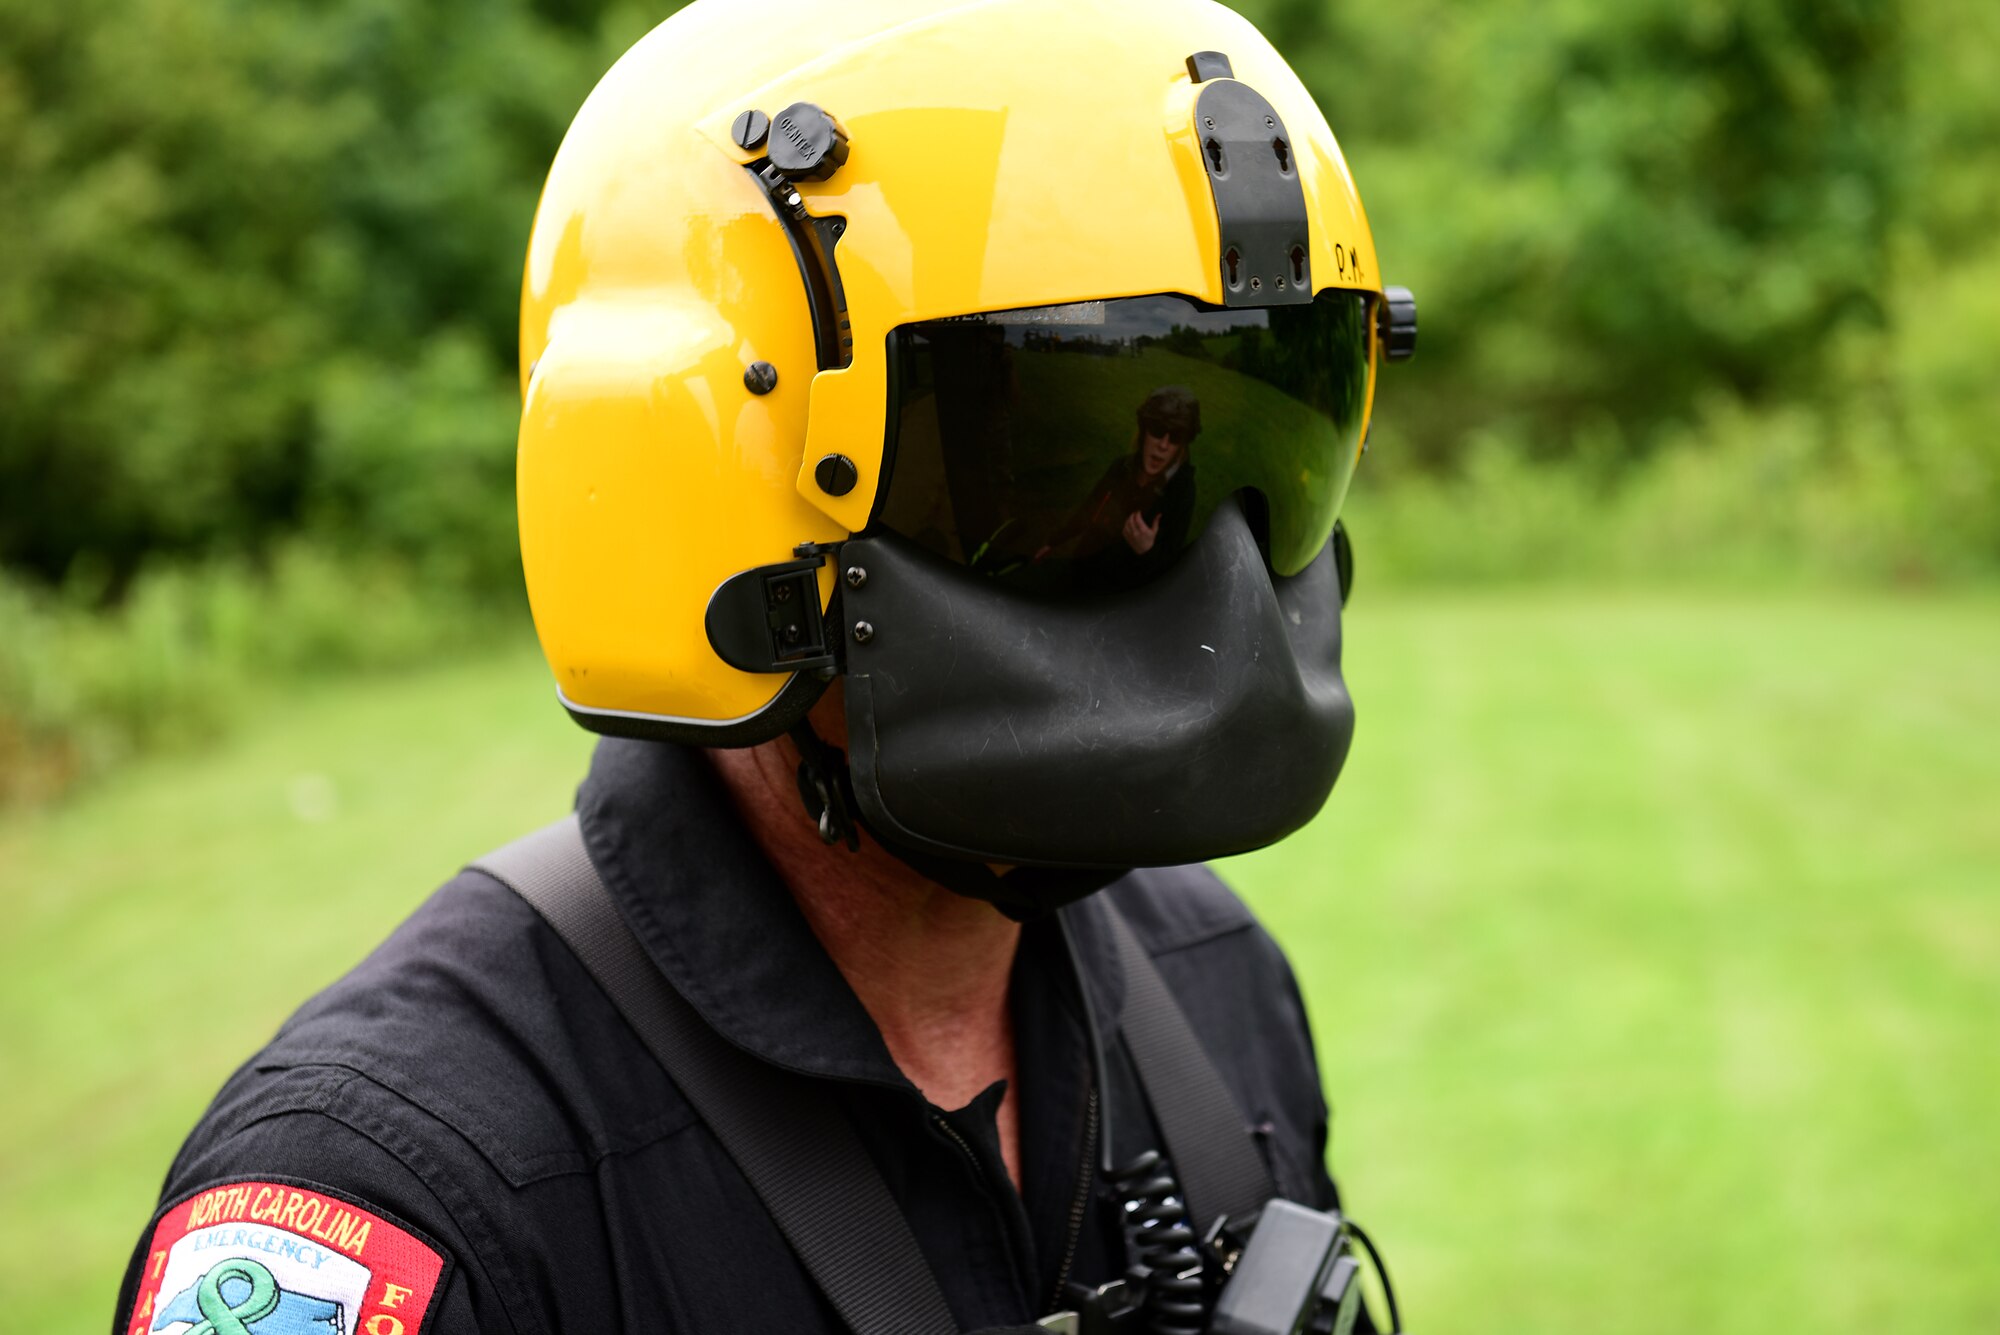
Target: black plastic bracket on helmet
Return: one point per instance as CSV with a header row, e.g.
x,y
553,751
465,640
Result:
x,y
1260,203
1396,321
804,143
813,239
767,618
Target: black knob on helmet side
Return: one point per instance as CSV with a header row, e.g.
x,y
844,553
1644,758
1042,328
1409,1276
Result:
x,y
806,144
1396,323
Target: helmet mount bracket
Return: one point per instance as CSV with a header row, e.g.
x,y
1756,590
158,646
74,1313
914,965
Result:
x,y
768,619
804,143
1260,202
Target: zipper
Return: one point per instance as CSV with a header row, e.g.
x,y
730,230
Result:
x,y
1078,1204
978,1173
985,1183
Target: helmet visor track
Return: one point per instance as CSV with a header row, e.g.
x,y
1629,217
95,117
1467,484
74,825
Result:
x,y
1078,449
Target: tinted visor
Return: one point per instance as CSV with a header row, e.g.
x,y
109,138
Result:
x,y
1080,448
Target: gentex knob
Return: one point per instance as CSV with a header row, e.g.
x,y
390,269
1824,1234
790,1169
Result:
x,y
806,144
1396,325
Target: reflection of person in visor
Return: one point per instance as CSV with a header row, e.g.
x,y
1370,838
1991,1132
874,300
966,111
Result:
x,y
1137,516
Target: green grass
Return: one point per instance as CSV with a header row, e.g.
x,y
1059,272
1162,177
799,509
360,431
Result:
x,y
1654,952
1653,945
154,931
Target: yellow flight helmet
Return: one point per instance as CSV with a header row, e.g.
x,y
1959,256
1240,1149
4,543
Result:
x,y
838,274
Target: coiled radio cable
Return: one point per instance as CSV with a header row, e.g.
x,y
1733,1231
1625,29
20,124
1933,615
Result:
x,y
1166,1267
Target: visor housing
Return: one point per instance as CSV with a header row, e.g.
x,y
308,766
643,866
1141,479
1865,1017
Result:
x,y
1078,449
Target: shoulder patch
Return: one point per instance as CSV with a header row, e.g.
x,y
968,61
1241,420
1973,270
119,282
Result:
x,y
267,1256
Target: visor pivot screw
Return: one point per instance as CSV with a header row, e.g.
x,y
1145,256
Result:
x,y
760,377
863,632
836,474
856,577
750,130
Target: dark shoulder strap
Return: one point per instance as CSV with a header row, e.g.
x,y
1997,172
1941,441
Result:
x,y
791,1141
1208,1138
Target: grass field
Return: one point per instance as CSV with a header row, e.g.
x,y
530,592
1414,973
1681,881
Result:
x,y
1653,945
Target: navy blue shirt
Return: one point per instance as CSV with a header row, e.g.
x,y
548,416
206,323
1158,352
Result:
x,y
469,1083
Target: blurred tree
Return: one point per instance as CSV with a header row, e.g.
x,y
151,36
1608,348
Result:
x,y
1612,211
232,222
262,259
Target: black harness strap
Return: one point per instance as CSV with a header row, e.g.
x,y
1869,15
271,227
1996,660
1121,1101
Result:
x,y
796,1147
792,1143
1220,1171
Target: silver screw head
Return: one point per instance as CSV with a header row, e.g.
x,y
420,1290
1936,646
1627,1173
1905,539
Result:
x,y
863,632
856,577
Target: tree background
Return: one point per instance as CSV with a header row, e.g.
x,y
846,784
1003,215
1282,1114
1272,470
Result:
x,y
264,257
1710,292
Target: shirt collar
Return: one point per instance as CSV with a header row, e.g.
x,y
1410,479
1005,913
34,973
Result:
x,y
716,918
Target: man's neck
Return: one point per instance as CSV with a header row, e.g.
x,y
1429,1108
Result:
x,y
931,967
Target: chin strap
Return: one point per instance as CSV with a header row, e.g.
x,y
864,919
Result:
x,y
823,788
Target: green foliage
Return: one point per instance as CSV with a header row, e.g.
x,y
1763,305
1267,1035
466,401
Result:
x,y
1632,225
1735,498
264,255
262,269
257,386
1612,211
190,646
1709,290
